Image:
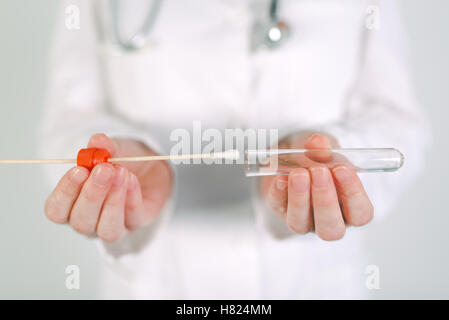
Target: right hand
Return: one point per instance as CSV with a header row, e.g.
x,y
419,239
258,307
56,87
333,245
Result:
x,y
112,200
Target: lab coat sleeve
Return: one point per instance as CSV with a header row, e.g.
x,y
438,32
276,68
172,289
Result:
x,y
381,111
76,108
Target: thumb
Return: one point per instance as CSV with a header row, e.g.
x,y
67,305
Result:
x,y
318,141
102,141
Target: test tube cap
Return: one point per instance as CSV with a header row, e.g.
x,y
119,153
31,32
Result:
x,y
90,157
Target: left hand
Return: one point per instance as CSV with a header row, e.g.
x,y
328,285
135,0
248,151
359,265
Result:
x,y
318,198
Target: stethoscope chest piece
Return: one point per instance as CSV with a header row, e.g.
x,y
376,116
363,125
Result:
x,y
269,34
276,33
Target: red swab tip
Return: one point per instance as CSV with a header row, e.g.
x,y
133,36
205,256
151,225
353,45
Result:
x,y
90,157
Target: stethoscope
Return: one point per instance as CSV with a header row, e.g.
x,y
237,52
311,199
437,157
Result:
x,y
265,34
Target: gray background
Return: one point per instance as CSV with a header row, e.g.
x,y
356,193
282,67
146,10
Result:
x,y
410,246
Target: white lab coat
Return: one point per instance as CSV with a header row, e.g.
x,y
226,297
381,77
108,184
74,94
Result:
x,y
332,75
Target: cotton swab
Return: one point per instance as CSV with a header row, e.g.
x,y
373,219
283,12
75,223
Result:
x,y
92,156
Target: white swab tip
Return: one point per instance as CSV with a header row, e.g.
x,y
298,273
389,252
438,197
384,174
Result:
x,y
228,155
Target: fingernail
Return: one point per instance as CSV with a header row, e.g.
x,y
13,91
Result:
x,y
300,182
119,177
102,174
320,177
281,184
78,175
132,184
343,174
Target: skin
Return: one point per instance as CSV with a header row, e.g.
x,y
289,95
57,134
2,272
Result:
x,y
318,199
111,200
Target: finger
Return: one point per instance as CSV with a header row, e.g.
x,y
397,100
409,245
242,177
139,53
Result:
x,y
134,211
87,207
111,225
118,148
299,215
318,141
277,195
61,200
102,141
357,207
329,223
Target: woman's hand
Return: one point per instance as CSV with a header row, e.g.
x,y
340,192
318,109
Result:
x,y
318,199
112,200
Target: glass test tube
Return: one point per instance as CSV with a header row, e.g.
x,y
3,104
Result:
x,y
282,161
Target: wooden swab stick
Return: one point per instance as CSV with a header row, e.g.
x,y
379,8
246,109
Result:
x,y
38,161
230,154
